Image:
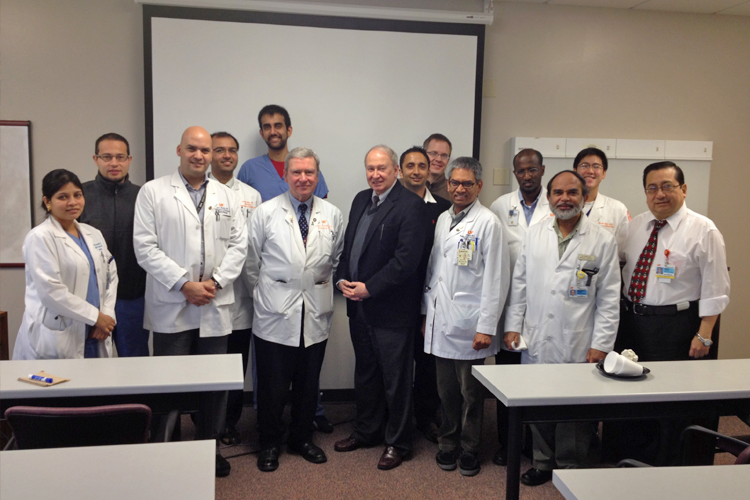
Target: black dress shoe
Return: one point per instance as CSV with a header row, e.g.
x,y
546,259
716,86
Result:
x,y
348,444
222,466
268,460
231,436
309,452
322,424
501,456
535,477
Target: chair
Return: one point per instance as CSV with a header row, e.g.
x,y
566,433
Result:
x,y
696,436
42,427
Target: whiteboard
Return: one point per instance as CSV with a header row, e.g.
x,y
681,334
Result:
x,y
16,212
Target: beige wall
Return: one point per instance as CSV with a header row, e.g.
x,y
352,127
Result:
x,y
75,69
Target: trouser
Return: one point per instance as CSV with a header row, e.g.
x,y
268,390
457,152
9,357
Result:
x,y
383,375
426,398
211,415
504,357
462,399
238,343
319,410
561,445
130,338
655,338
278,366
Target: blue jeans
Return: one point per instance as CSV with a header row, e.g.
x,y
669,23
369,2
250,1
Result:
x,y
91,347
129,335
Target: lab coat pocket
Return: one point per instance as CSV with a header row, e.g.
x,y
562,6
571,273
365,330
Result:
x,y
225,227
55,322
224,296
322,296
576,345
273,296
464,314
530,336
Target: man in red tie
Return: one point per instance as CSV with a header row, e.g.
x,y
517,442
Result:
x,y
676,284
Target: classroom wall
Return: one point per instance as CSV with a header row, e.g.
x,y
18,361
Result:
x,y
75,69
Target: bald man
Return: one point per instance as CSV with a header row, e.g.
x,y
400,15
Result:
x,y
190,237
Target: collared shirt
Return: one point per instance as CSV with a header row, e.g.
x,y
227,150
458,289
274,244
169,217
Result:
x,y
428,198
696,249
562,243
229,184
296,203
195,195
458,217
383,196
528,211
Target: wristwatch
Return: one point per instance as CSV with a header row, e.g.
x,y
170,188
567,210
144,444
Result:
x,y
706,342
218,287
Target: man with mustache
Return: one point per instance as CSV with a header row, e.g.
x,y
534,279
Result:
x,y
565,301
266,172
415,168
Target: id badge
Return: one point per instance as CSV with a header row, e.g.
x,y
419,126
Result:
x,y
513,217
665,273
579,292
463,256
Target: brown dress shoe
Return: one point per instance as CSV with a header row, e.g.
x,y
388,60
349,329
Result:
x,y
391,458
348,444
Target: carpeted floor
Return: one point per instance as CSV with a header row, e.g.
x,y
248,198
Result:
x,y
355,476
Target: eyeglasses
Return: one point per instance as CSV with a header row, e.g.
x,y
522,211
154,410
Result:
x,y
221,151
435,154
466,184
666,188
522,173
108,158
586,166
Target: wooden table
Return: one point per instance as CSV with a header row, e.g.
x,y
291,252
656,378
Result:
x,y
183,470
576,392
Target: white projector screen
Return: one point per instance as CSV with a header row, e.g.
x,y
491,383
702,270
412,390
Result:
x,y
348,85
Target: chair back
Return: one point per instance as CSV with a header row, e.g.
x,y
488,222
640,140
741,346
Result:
x,y
42,427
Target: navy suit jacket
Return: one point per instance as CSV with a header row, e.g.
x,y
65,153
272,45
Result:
x,y
390,258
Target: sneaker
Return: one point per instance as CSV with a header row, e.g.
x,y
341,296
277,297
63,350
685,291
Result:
x,y
446,460
468,464
321,424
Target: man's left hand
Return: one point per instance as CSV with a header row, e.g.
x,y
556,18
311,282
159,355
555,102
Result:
x,y
595,355
697,349
481,341
358,290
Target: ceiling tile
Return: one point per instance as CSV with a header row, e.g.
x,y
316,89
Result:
x,y
698,6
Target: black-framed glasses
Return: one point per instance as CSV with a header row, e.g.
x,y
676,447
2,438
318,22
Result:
x,y
466,184
108,158
221,151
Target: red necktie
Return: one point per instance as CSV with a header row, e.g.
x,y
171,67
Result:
x,y
637,289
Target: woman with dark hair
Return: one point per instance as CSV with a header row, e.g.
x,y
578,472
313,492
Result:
x,y
71,280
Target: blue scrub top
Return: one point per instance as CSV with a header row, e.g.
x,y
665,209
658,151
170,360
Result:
x,y
262,175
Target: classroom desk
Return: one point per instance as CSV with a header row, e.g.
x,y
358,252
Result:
x,y
573,392
163,383
183,470
654,483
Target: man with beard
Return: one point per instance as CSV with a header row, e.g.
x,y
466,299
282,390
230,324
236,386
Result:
x,y
266,172
415,167
565,301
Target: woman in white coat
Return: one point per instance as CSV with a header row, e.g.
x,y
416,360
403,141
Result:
x,y
71,280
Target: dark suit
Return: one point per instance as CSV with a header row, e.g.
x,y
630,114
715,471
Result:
x,y
382,325
426,398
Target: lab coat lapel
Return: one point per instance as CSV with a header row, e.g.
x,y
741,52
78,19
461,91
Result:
x,y
67,240
181,193
575,241
316,218
293,222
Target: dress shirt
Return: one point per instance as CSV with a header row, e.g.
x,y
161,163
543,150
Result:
x,y
528,210
696,249
296,203
562,242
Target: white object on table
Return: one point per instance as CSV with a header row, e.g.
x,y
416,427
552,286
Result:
x,y
654,483
184,470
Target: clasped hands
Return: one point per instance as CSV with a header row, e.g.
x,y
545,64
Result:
x,y
353,290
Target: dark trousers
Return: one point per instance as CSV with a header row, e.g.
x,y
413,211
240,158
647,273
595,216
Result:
x,y
504,357
426,398
238,343
462,396
211,416
278,366
383,375
654,338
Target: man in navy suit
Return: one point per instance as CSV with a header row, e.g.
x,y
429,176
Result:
x,y
378,275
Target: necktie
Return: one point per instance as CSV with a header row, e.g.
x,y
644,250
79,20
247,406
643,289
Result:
x,y
303,227
374,206
637,289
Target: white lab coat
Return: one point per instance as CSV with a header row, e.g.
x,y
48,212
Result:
x,y
285,273
609,214
514,234
167,241
557,327
242,310
461,301
57,277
